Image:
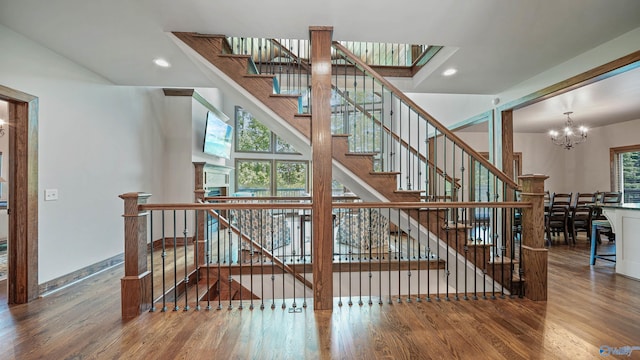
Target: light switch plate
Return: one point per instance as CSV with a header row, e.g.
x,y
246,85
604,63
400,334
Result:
x,y
50,194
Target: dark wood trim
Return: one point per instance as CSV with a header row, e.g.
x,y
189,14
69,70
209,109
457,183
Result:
x,y
507,144
601,72
321,147
23,199
178,92
80,274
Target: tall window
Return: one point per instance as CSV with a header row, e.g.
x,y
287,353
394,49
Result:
x,y
270,167
625,172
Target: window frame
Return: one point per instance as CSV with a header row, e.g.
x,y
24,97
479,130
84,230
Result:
x,y
615,159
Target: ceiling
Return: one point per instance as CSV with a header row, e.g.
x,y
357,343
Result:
x,y
494,44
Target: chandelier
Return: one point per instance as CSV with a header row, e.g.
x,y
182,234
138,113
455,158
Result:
x,y
571,135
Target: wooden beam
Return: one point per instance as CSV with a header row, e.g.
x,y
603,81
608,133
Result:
x,y
322,226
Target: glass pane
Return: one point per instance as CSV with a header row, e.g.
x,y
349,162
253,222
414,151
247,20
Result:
x,y
283,147
631,176
291,178
254,176
251,135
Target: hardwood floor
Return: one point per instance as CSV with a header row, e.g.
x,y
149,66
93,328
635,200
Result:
x,y
588,307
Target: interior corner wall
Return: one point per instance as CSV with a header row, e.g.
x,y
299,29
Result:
x,y
583,169
96,141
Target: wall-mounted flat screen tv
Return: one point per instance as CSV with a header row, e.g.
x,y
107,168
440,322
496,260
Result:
x,y
218,137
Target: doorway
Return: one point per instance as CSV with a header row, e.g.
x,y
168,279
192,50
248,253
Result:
x,y
22,187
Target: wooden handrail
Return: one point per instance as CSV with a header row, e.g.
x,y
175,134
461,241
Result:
x,y
392,205
396,137
443,129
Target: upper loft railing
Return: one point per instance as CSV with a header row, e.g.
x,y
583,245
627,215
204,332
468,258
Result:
x,y
406,139
289,60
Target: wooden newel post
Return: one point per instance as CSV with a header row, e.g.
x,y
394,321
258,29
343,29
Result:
x,y
136,284
534,256
322,228
201,216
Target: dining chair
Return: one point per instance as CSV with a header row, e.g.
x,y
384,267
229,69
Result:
x,y
561,199
581,216
582,198
557,220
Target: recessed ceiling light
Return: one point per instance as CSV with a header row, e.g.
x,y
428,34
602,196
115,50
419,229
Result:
x,y
161,62
449,72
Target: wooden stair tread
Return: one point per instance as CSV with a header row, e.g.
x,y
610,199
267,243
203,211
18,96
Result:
x,y
294,96
236,56
361,154
259,76
457,226
302,115
384,172
503,260
478,244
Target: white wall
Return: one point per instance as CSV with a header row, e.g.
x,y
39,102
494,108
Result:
x,y
96,141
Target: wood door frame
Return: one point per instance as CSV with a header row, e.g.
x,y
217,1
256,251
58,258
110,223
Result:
x,y
23,195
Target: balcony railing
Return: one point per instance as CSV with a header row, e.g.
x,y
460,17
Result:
x,y
258,253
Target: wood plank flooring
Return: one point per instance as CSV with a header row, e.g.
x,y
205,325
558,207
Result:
x,y
588,306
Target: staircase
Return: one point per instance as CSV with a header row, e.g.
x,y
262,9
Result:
x,y
452,239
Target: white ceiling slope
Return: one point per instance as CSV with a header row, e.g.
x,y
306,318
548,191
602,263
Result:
x,y
500,43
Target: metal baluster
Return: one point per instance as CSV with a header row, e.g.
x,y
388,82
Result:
x,y
186,260
408,255
337,250
273,273
463,156
230,277
456,216
207,237
400,141
419,226
379,237
304,259
428,250
389,259
399,257
241,257
218,282
281,250
196,260
350,254
175,266
153,303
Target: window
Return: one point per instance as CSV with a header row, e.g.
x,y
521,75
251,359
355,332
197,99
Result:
x,y
625,172
253,137
263,174
258,177
254,176
291,178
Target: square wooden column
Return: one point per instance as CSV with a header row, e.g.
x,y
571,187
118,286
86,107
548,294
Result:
x,y
322,225
136,284
534,257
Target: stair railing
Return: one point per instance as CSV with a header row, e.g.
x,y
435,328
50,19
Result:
x,y
382,252
427,144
